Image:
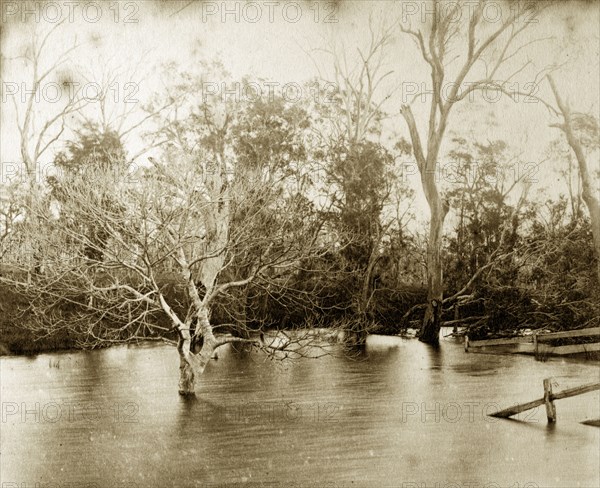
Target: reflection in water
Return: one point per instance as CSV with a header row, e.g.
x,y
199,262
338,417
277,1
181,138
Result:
x,y
402,412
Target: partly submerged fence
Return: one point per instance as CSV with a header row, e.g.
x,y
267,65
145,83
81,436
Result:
x,y
548,400
537,343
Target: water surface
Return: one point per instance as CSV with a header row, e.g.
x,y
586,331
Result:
x,y
401,415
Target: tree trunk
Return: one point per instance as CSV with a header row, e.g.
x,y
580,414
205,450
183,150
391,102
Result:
x,y
186,372
368,285
191,365
589,192
430,330
456,318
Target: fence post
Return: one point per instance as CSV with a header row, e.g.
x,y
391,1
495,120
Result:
x,y
466,343
456,317
548,400
535,346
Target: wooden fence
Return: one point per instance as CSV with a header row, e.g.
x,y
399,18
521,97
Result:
x,y
537,343
548,400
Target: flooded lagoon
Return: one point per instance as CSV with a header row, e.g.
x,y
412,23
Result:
x,y
400,415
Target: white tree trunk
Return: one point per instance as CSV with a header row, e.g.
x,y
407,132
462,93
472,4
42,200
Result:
x,y
589,193
191,365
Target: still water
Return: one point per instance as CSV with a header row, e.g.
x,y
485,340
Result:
x,y
401,415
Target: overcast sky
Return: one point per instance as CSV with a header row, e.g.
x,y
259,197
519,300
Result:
x,y
281,42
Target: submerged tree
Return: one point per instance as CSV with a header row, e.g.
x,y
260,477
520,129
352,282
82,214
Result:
x,y
450,40
221,206
358,168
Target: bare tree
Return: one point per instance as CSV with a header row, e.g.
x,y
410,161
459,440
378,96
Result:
x,y
37,137
119,294
445,36
201,209
39,123
586,124
560,153
352,139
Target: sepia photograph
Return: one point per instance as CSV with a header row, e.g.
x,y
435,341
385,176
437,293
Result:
x,y
300,243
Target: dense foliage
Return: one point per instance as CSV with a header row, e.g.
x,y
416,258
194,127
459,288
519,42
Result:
x,y
320,209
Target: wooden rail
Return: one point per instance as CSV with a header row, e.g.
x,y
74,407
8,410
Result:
x,y
570,333
548,400
499,342
538,341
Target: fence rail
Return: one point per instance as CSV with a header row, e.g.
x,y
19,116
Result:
x,y
538,342
548,400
